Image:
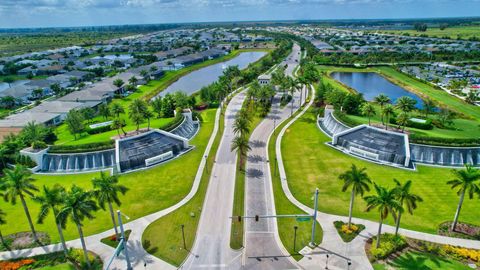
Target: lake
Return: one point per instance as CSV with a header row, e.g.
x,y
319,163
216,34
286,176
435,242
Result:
x,y
197,79
371,84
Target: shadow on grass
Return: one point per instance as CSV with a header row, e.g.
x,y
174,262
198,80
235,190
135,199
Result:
x,y
418,261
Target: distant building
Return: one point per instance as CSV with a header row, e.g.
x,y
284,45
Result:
x,y
264,79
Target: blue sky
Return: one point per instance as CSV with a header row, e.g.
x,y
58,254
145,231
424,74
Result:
x,y
44,13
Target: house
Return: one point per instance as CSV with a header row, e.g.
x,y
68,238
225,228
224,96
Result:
x,y
88,96
51,70
58,107
21,93
43,84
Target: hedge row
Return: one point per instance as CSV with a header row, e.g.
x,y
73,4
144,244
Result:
x,y
89,147
173,124
97,130
428,125
343,117
454,142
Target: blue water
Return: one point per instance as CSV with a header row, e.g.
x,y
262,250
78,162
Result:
x,y
371,84
195,80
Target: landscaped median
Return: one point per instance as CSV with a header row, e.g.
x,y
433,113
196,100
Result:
x,y
310,163
150,190
163,238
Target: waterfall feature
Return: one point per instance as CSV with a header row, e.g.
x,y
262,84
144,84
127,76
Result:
x,y
76,162
187,129
330,125
446,156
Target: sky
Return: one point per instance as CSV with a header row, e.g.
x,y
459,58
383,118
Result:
x,y
56,13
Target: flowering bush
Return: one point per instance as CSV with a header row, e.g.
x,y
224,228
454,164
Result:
x,y
462,253
6,265
349,229
389,243
348,233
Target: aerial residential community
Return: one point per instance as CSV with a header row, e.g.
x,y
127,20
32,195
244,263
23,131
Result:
x,y
240,136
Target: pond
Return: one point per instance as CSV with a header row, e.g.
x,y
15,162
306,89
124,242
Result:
x,y
371,84
195,80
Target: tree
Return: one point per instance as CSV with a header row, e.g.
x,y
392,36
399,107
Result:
x,y
78,205
241,126
138,105
37,93
428,106
402,120
384,200
241,147
445,117
368,110
88,113
406,104
153,69
74,121
290,86
8,80
148,114
358,181
299,84
116,109
133,80
118,124
465,182
56,88
17,183
157,105
33,133
106,190
104,111
472,97
407,199
382,100
387,111
50,199
8,102
137,118
118,83
3,221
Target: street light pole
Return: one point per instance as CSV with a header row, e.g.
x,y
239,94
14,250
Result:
x,y
122,231
314,219
206,163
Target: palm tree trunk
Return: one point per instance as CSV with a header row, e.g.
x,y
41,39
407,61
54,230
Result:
x,y
3,241
379,232
62,239
84,247
123,130
112,215
25,208
398,223
352,197
457,213
148,128
118,132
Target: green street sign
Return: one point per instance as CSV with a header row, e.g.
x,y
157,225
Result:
x,y
301,219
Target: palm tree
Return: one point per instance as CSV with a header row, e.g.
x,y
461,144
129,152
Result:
x,y
240,145
2,222
118,124
133,80
402,120
51,199
299,83
465,181
407,199
118,83
148,114
368,110
382,100
384,200
106,189
116,109
290,86
428,106
359,182
241,126
387,111
406,104
18,183
78,205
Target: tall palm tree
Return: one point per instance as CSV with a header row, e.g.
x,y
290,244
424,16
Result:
x,y
465,182
386,112
106,190
241,126
368,110
406,104
148,114
291,88
402,120
358,181
299,83
116,109
407,199
118,124
51,199
78,205
18,183
2,222
384,200
382,100
240,145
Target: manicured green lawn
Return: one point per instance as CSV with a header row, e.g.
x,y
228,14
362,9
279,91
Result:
x,y
413,260
150,190
163,238
21,77
283,206
310,163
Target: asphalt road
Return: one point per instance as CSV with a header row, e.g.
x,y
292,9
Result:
x,y
211,249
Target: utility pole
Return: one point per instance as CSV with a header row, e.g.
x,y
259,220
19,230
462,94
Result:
x,y
314,218
129,265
